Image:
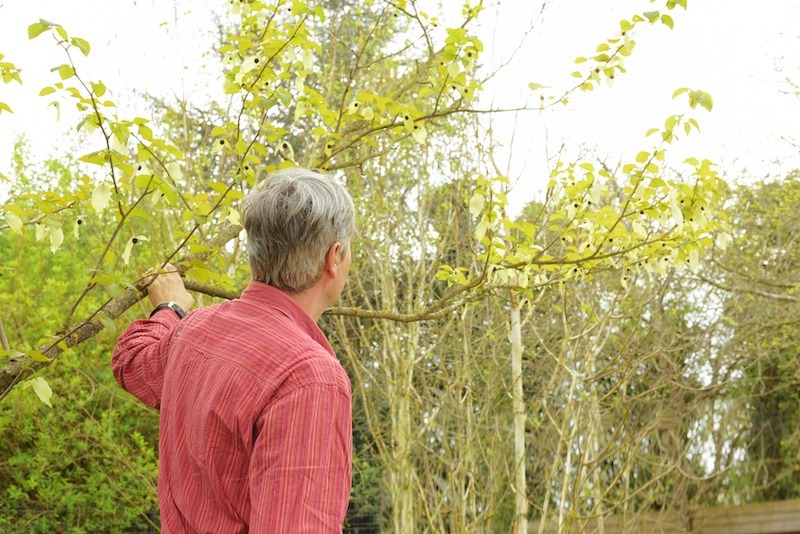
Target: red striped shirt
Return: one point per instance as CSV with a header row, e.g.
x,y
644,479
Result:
x,y
255,415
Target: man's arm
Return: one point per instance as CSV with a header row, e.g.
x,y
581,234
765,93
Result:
x,y
300,469
140,355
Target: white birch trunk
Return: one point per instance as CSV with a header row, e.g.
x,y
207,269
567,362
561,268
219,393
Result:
x,y
520,484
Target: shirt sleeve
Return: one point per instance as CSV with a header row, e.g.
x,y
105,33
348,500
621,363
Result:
x,y
300,469
140,357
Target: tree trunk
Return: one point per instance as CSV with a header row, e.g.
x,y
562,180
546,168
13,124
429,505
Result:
x,y
518,395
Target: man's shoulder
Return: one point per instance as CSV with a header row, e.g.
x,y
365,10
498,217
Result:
x,y
267,343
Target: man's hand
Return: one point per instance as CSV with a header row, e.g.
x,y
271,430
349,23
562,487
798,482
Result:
x,y
167,285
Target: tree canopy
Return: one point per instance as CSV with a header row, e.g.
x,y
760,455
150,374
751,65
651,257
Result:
x,y
605,352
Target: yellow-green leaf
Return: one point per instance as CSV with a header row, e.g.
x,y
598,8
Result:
x,y
41,388
233,216
126,254
37,356
66,71
14,222
98,88
56,238
36,29
41,231
101,196
419,134
476,204
82,45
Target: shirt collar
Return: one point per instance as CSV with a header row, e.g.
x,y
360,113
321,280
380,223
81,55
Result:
x,y
267,295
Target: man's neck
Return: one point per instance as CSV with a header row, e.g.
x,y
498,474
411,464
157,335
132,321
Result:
x,y
312,300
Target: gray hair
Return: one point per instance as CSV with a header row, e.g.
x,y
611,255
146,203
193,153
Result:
x,y
291,222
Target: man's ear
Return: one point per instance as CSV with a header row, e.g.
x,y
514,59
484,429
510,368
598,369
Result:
x,y
332,259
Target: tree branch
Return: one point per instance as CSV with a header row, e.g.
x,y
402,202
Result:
x,y
18,369
750,290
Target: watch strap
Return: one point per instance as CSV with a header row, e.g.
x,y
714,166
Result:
x,y
172,306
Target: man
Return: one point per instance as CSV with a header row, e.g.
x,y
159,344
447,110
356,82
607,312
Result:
x,y
255,409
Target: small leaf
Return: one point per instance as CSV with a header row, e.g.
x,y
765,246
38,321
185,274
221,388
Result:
x,y
56,238
233,216
651,16
101,197
47,90
66,71
126,254
480,230
476,204
308,59
723,240
4,107
367,113
37,356
702,98
41,388
680,91
14,222
175,171
81,44
667,21
98,88
36,29
419,134
41,231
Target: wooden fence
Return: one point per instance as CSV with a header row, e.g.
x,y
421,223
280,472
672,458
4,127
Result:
x,y
779,517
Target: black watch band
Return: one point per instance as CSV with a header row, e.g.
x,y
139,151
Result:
x,y
172,306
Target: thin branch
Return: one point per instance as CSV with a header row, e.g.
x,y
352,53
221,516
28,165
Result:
x,y
3,338
750,290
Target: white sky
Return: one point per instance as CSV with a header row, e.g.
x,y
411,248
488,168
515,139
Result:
x,y
737,51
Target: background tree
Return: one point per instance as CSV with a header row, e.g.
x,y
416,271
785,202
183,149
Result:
x,y
504,368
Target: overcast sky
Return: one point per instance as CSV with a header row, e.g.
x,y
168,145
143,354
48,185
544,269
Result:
x,y
739,52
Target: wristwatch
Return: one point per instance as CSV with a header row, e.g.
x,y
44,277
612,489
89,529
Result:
x,y
172,306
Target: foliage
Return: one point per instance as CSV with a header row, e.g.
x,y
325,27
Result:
x,y
87,464
760,278
628,364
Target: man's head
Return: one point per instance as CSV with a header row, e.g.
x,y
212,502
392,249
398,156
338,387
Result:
x,y
292,222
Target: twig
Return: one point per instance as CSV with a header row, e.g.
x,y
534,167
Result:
x,y
3,338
